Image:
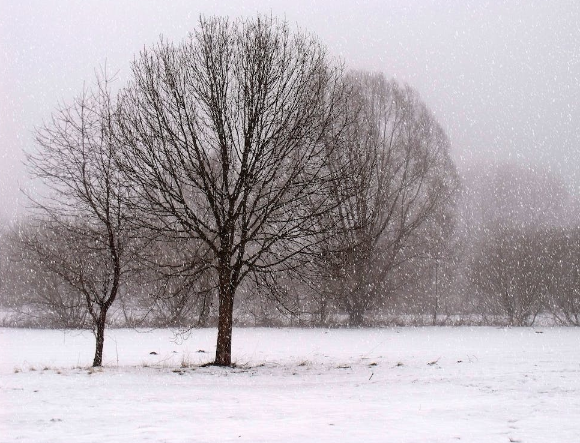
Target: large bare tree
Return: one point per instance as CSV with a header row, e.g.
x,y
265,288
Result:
x,y
225,140
81,216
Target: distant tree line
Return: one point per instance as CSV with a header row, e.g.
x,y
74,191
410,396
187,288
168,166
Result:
x,y
243,176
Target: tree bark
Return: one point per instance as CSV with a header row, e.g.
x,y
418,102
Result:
x,y
100,338
223,353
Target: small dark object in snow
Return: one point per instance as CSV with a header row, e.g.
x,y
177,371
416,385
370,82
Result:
x,y
343,367
539,332
54,420
373,364
434,362
459,361
400,364
200,351
372,373
153,353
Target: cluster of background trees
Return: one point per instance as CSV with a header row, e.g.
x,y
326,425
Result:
x,y
243,175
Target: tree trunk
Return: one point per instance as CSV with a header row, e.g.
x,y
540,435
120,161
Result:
x,y
360,295
223,352
323,313
356,311
436,305
356,317
435,310
100,338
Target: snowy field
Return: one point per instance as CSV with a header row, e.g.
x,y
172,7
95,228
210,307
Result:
x,y
293,385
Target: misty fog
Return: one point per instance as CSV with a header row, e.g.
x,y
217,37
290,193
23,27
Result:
x,y
501,77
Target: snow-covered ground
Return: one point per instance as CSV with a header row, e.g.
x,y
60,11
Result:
x,y
294,385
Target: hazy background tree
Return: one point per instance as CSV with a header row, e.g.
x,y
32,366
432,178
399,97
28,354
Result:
x,y
563,251
512,274
507,217
32,293
393,197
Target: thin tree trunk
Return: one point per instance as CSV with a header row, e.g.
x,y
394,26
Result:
x,y
436,307
100,338
323,313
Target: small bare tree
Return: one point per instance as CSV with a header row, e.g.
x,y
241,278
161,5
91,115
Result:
x,y
225,141
82,215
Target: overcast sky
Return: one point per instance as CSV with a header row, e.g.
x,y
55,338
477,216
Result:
x,y
502,77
